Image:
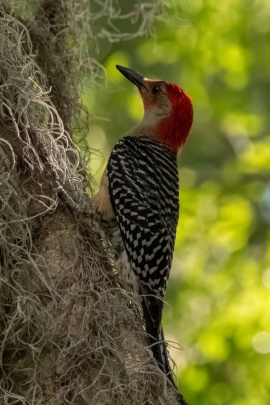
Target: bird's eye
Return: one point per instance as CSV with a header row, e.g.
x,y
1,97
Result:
x,y
156,89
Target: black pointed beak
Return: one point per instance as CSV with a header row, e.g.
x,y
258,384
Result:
x,y
133,76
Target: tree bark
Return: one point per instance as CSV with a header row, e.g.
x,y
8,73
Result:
x,y
70,333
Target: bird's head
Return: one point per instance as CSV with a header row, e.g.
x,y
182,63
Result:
x,y
168,112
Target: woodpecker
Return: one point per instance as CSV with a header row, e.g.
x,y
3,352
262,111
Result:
x,y
140,190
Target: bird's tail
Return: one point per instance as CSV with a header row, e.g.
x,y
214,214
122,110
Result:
x,y
158,346
160,353
165,357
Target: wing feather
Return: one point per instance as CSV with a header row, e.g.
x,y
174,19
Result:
x,y
143,187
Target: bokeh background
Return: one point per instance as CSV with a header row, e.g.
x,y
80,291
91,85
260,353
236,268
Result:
x,y
218,297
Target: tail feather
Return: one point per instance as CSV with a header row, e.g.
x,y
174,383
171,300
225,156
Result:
x,y
164,353
160,354
158,346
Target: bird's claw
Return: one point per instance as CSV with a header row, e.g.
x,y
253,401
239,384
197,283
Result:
x,y
76,208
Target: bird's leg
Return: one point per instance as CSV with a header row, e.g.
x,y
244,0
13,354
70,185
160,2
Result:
x,y
75,208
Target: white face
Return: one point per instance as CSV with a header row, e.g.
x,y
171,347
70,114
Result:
x,y
155,113
157,105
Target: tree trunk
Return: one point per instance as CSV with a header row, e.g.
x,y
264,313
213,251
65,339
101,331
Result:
x,y
70,333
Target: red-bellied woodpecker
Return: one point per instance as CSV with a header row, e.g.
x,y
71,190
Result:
x,y
140,189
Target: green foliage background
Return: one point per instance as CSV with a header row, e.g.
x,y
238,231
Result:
x,y
218,294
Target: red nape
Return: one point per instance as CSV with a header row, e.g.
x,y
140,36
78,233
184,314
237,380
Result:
x,y
173,130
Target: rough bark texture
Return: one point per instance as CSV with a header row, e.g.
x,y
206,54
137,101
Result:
x,y
69,333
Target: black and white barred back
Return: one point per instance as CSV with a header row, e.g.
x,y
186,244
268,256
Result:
x,y
144,192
